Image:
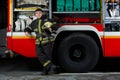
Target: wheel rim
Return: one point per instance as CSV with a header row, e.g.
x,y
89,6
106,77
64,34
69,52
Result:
x,y
77,53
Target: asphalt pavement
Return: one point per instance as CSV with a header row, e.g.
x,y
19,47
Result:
x,y
21,68
61,76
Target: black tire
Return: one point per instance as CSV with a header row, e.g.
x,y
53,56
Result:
x,y
78,53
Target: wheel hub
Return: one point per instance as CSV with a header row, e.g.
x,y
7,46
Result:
x,y
77,53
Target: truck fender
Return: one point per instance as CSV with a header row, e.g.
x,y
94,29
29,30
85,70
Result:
x,y
80,28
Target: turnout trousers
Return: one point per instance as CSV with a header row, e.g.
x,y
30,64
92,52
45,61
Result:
x,y
44,52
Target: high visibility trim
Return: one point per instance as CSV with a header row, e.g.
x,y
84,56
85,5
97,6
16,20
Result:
x,y
46,63
51,38
36,30
39,29
23,37
47,25
45,40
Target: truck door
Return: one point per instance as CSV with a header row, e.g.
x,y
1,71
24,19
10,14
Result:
x,y
111,19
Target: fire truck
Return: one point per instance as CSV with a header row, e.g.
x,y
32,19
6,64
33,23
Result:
x,y
88,30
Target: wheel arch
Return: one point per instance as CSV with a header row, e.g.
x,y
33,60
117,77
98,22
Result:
x,y
66,33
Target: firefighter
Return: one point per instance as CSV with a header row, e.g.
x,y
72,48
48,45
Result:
x,y
44,40
111,7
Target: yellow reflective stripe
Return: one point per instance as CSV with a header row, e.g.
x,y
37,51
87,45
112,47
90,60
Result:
x,y
47,41
39,29
48,38
46,63
37,41
44,41
47,25
36,29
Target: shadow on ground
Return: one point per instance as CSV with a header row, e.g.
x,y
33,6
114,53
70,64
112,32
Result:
x,y
25,64
19,64
108,65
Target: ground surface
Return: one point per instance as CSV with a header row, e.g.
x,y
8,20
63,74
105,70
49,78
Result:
x,y
19,69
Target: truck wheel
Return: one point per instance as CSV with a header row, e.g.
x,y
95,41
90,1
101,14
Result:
x,y
78,53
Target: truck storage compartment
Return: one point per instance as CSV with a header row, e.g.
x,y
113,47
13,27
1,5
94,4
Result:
x,y
76,11
81,5
23,12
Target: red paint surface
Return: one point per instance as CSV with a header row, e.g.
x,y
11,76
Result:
x,y
24,47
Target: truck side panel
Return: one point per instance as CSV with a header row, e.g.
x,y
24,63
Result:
x,y
112,44
21,44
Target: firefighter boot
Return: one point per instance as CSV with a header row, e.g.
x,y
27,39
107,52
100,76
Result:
x,y
52,70
48,68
